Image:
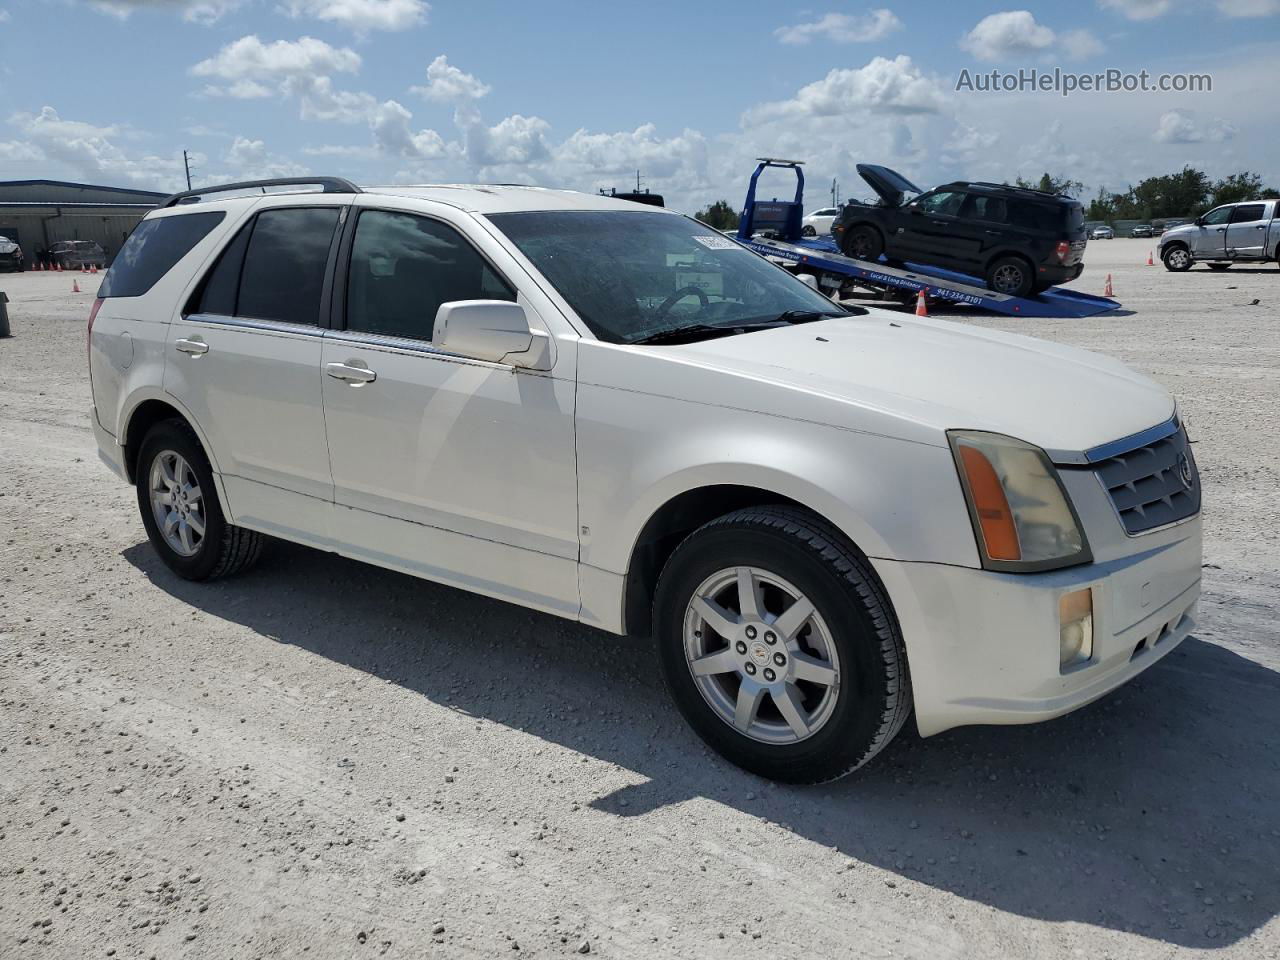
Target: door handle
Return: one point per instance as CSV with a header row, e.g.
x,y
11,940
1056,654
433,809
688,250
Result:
x,y
1221,229
939,223
994,233
347,373
195,346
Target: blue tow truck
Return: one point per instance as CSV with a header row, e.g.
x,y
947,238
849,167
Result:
x,y
772,229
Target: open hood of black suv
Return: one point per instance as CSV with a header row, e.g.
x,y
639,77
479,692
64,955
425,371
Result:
x,y
889,184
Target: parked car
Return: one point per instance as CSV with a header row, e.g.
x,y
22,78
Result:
x,y
618,415
1232,233
1142,230
819,222
1102,233
76,254
1018,241
11,258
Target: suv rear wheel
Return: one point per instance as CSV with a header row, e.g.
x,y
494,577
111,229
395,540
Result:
x,y
779,646
1011,275
180,509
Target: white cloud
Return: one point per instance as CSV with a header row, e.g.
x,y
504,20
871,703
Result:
x,y
881,86
86,150
966,143
515,141
300,69
448,84
842,28
392,134
1182,126
250,160
193,11
1013,33
1249,8
363,15
1081,44
1138,9
250,59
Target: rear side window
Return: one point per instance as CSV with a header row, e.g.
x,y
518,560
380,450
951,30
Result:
x,y
223,283
1248,212
152,250
284,264
404,266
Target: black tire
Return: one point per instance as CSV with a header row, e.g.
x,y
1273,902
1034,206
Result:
x,y
1177,258
1012,275
874,699
808,231
1219,266
225,549
863,243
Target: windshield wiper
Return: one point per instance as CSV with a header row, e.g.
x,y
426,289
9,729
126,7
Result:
x,y
698,331
705,331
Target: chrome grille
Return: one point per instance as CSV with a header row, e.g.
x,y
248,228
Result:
x,y
1154,484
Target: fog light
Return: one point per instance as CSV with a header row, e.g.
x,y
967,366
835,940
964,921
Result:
x,y
1075,623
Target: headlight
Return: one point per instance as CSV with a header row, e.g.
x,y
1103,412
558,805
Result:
x,y
1022,517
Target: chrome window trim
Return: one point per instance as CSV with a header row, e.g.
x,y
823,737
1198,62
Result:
x,y
269,326
408,345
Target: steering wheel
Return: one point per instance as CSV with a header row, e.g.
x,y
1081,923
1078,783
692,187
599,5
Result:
x,y
679,295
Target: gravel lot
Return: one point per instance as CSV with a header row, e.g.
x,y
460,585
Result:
x,y
324,759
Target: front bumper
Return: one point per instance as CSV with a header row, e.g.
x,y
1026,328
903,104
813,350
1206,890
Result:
x,y
983,647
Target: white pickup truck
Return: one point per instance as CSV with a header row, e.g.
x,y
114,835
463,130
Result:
x,y
1232,233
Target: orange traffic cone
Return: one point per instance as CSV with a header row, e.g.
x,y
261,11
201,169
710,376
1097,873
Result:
x,y
75,286
93,268
1107,291
922,306
59,266
1150,261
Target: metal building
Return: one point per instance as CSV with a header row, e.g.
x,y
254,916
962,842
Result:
x,y
38,213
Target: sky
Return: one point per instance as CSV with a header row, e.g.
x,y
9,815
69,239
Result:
x,y
581,95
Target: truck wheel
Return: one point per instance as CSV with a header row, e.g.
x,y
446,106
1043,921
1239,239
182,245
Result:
x,y
779,646
180,509
864,243
1011,275
1177,259
808,231
1219,266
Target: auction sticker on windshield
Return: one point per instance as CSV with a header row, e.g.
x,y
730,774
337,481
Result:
x,y
717,243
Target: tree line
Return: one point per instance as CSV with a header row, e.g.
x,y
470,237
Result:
x,y
1188,192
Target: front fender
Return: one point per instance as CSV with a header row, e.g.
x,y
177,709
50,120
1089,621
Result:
x,y
895,499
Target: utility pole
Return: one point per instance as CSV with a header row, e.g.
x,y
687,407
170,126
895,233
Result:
x,y
835,192
186,165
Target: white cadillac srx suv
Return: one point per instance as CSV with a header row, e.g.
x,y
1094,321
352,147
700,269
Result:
x,y
825,517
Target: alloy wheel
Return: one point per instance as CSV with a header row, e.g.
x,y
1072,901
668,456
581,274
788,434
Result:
x,y
761,655
177,502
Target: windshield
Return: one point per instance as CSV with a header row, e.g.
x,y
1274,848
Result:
x,y
631,275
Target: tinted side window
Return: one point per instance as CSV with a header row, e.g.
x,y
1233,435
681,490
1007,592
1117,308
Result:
x,y
945,204
1034,216
152,250
284,264
404,266
1217,216
1248,213
988,209
223,282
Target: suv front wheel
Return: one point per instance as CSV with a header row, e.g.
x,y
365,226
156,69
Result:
x,y
180,509
1177,258
779,646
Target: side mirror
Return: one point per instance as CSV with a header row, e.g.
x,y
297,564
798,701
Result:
x,y
494,330
1199,221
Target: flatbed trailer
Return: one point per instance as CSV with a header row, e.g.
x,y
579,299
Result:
x,y
772,229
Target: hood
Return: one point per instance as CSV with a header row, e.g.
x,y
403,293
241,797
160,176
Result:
x,y
944,375
889,184
1181,230
7,246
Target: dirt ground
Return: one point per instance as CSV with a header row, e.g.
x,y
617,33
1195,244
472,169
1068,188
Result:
x,y
324,759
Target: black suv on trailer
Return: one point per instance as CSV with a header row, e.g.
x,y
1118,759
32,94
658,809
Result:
x,y
1019,241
